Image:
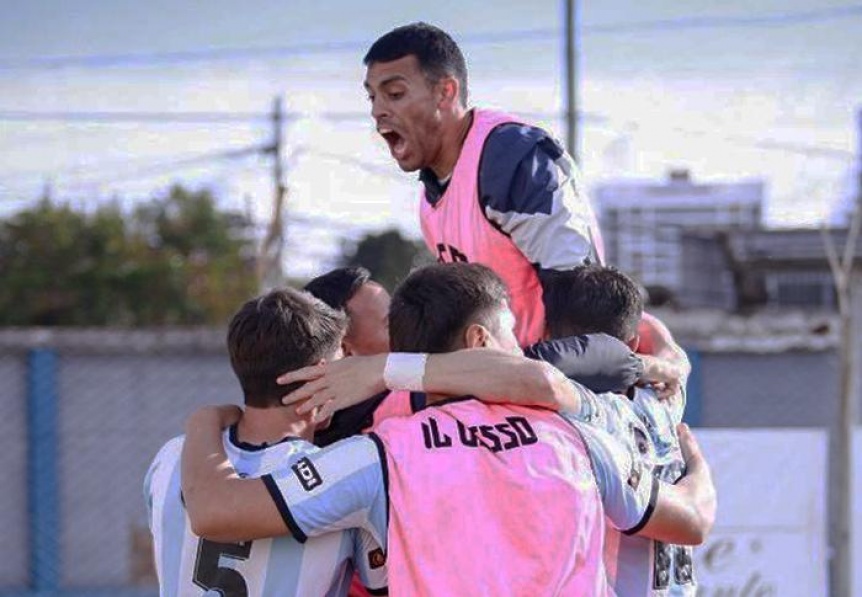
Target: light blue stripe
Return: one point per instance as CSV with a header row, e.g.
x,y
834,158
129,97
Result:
x,y
284,566
43,470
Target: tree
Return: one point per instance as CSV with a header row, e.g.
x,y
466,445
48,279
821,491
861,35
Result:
x,y
388,256
175,260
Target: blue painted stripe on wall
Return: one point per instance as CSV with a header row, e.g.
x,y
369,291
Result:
x,y
43,470
694,390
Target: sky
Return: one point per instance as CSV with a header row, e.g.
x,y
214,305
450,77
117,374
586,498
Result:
x,y
732,90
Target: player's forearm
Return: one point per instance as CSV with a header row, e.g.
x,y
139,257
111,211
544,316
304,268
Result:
x,y
678,517
495,376
685,511
664,345
659,370
702,501
215,496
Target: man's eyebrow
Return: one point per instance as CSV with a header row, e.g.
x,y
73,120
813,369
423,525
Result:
x,y
386,81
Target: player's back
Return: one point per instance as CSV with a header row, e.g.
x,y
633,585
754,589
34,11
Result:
x,y
190,566
491,500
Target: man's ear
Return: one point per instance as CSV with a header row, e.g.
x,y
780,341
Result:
x,y
346,348
476,336
449,89
634,342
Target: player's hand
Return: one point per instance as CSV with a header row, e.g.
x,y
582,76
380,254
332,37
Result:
x,y
333,386
666,390
662,375
222,416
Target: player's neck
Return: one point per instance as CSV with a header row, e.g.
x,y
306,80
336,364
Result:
x,y
271,425
452,144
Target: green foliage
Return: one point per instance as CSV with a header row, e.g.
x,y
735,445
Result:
x,y
388,256
175,260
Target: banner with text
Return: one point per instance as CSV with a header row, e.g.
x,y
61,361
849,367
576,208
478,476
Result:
x,y
770,535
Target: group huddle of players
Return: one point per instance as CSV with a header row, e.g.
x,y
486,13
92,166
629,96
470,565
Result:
x,y
508,423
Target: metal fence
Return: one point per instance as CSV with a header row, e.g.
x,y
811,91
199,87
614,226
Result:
x,y
83,414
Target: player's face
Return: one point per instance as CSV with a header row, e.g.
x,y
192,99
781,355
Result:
x,y
405,106
368,310
503,337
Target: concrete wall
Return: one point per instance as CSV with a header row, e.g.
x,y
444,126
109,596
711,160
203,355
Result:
x,y
117,406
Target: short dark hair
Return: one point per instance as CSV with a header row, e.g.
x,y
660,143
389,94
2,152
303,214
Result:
x,y
438,54
337,287
277,332
591,299
435,304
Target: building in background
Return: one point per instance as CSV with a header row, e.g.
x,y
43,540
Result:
x,y
742,270
643,223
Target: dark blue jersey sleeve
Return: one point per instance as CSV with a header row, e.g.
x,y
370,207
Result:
x,y
598,361
529,189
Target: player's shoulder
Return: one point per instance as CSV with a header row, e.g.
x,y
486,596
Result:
x,y
356,451
170,450
511,142
163,464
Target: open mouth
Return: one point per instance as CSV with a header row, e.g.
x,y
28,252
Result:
x,y
397,143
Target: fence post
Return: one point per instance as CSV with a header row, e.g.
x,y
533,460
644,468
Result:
x,y
43,470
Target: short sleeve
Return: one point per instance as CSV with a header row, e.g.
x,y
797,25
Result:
x,y
338,488
628,488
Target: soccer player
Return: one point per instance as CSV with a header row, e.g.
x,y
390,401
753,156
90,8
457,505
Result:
x,y
282,330
471,496
593,299
598,361
497,191
366,303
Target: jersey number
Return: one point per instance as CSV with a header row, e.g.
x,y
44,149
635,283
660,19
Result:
x,y
663,556
210,576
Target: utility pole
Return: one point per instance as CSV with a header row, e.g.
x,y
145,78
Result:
x,y
571,59
269,273
847,289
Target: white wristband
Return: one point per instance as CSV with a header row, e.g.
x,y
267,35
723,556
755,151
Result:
x,y
405,371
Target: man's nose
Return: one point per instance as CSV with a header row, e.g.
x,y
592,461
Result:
x,y
378,109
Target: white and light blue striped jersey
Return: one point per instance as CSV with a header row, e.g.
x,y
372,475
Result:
x,y
190,566
638,565
340,487
349,486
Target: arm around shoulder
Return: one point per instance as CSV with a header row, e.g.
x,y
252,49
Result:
x,y
220,505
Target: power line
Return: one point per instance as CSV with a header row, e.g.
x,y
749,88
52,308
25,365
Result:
x,y
544,35
223,117
714,22
108,117
166,167
118,117
134,117
371,168
75,171
820,151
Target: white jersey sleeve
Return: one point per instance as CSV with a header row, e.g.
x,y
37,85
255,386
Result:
x,y
340,487
626,484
